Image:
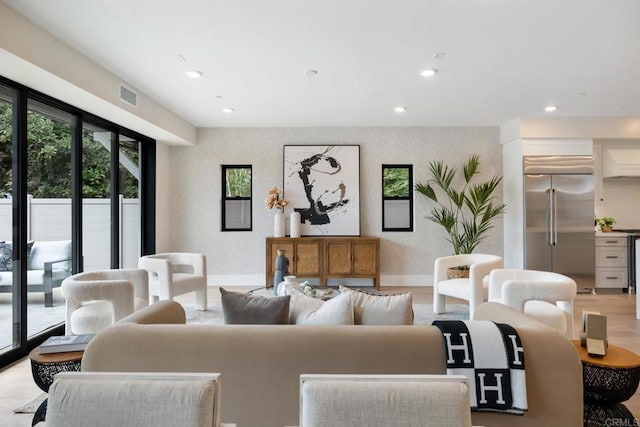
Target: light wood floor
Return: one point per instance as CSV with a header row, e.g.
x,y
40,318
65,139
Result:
x,y
17,386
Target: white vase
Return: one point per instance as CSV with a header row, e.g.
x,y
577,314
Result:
x,y
288,281
294,222
278,224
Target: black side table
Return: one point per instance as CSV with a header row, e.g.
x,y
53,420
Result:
x,y
44,367
608,381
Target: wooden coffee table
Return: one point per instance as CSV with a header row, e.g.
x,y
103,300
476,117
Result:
x,y
44,367
608,381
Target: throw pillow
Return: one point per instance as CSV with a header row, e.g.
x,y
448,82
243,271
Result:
x,y
241,308
369,309
6,256
306,310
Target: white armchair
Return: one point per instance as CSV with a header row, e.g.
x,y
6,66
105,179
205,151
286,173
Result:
x,y
176,273
97,299
384,400
474,289
544,295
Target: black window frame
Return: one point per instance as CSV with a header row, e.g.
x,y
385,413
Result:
x,y
224,198
21,95
408,198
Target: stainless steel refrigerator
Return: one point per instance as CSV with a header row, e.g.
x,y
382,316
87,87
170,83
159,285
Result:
x,y
559,213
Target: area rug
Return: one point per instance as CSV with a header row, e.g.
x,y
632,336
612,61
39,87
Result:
x,y
31,407
423,314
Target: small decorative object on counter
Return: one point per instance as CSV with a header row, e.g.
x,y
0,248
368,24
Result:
x,y
282,269
282,287
295,224
605,223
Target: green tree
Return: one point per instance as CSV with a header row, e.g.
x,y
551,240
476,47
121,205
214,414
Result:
x,y
49,159
396,182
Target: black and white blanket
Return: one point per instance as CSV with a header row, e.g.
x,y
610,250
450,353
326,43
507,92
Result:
x,y
491,356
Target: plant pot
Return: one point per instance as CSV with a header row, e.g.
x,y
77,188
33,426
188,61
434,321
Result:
x,y
606,228
461,272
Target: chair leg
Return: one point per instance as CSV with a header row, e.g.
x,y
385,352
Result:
x,y
201,299
439,305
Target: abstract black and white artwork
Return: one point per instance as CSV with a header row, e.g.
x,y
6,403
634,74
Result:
x,y
322,183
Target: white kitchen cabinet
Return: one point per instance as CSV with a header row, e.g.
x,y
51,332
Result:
x,y
611,262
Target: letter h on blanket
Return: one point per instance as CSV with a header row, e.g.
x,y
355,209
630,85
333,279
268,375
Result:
x,y
491,356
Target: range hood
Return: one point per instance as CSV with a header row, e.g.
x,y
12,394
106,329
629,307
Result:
x,y
620,162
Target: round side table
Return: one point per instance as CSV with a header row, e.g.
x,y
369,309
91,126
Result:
x,y
44,367
608,381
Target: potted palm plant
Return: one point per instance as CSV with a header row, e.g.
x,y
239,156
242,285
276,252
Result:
x,y
465,209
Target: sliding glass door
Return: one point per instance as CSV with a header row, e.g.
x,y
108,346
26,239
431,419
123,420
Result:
x,y
49,224
76,194
8,313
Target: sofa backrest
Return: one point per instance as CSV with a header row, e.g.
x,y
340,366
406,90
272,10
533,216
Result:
x,y
261,364
47,251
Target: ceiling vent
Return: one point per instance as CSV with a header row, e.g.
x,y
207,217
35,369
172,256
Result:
x,y
128,95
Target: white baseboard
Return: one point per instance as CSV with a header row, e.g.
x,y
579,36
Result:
x,y
258,280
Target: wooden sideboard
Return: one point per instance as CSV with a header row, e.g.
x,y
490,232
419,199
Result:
x,y
326,257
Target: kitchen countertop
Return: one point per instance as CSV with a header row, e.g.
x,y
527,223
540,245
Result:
x,y
611,234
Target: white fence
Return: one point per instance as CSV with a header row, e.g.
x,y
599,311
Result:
x,y
50,219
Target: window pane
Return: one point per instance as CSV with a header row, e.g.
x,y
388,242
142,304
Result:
x,y
397,214
7,308
238,182
49,209
130,234
396,182
397,198
236,203
96,202
237,214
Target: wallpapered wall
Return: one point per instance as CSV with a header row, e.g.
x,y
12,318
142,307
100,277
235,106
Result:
x,y
193,219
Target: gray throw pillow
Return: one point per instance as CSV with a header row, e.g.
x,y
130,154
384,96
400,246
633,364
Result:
x,y
241,308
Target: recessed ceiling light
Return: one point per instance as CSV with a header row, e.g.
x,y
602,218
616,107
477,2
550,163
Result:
x,y
550,108
193,74
429,72
310,73
228,110
400,109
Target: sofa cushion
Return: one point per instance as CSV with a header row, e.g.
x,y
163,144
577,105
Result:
x,y
241,308
6,256
47,251
370,309
306,310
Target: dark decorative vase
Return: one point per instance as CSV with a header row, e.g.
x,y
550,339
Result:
x,y
282,269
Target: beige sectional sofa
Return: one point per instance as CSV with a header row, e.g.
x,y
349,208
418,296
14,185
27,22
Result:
x,y
261,364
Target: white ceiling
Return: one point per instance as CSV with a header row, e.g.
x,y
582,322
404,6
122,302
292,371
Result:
x,y
502,58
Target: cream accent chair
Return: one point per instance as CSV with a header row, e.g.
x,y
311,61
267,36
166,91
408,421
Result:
x,y
105,399
176,273
544,295
97,299
474,289
384,400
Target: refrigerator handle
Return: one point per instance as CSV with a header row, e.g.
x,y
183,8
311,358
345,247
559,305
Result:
x,y
552,217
